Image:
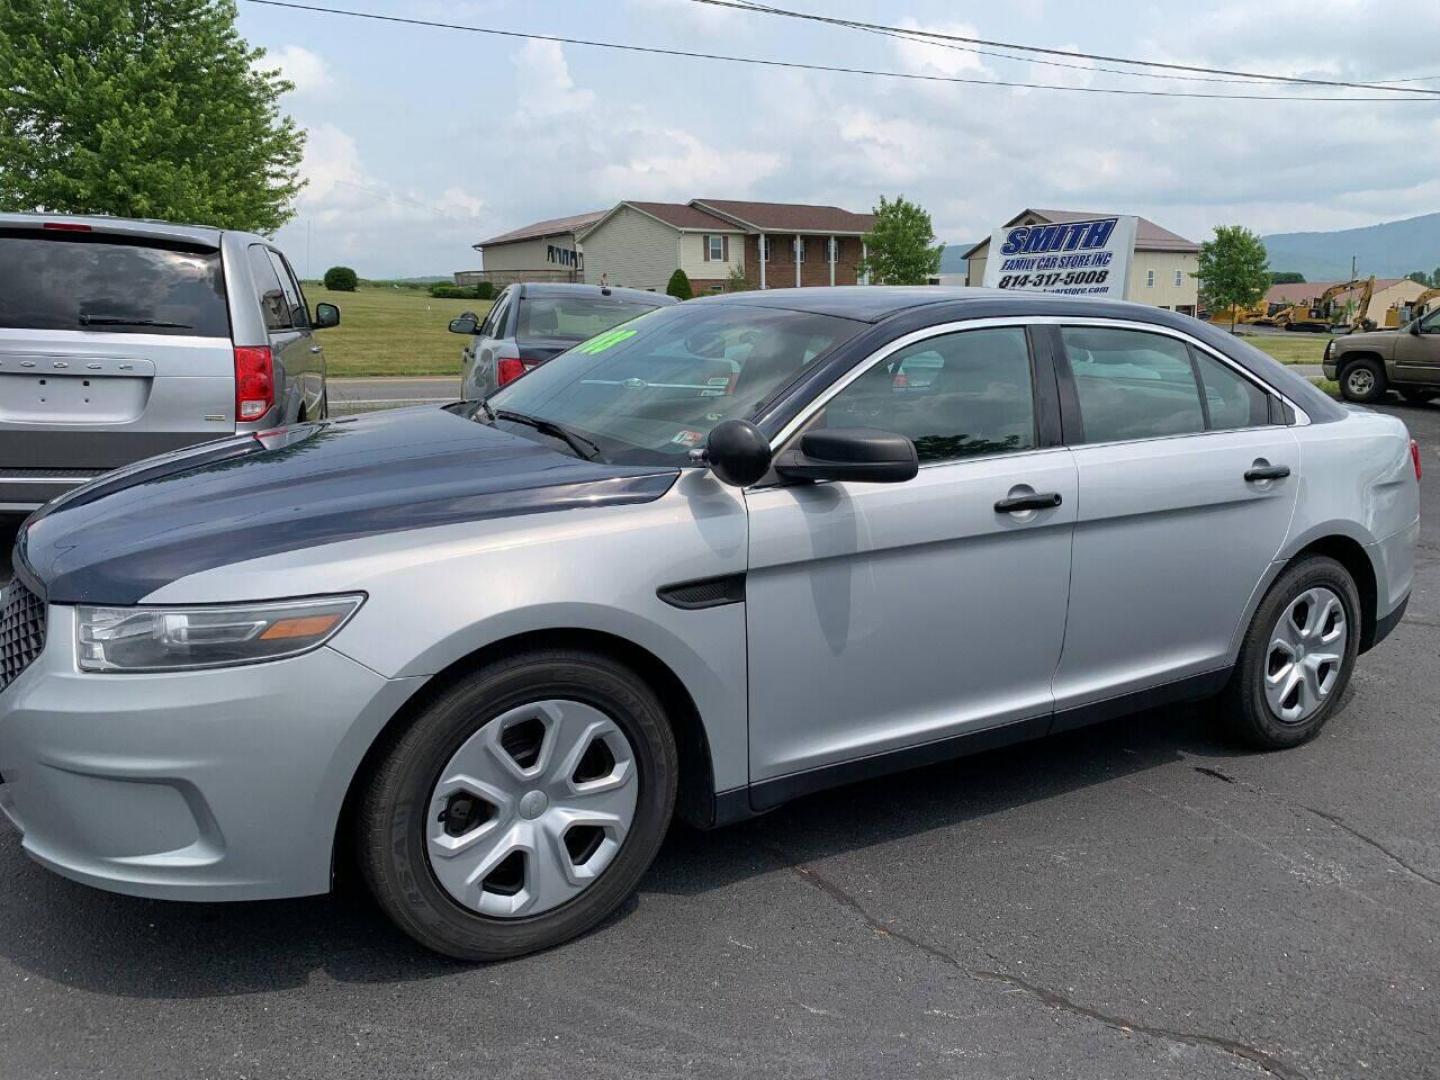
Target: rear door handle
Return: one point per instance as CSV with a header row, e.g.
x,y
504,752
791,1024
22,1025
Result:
x,y
1267,472
1019,503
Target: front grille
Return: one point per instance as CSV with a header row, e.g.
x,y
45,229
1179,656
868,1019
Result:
x,y
22,631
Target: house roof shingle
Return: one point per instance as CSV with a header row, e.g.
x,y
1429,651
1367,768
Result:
x,y
1305,291
790,217
682,215
549,227
1148,235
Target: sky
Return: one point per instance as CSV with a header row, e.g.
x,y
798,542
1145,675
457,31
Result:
x,y
423,142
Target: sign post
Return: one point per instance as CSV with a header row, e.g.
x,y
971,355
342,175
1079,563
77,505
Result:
x,y
1074,258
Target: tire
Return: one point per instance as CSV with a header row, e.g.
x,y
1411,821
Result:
x,y
1417,397
455,745
1247,704
1364,381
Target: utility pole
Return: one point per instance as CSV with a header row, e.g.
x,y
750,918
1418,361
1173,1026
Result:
x,y
1352,267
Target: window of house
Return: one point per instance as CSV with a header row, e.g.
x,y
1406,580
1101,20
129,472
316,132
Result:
x,y
1149,279
764,249
955,396
800,249
716,246
1179,278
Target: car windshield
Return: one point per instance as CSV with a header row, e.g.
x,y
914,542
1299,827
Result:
x,y
650,391
93,281
573,318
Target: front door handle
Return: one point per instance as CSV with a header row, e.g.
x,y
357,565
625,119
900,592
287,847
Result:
x,y
1267,472
1020,503
317,348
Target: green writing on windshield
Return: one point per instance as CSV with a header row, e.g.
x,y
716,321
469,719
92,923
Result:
x,y
607,340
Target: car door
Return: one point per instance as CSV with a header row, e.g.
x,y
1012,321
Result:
x,y
285,339
1178,522
887,617
1417,355
305,350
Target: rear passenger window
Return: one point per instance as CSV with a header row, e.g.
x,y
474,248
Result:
x,y
1132,385
955,396
271,296
1231,400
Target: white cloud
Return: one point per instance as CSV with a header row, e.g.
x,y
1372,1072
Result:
x,y
307,70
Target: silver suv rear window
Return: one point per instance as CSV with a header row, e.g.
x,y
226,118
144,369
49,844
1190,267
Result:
x,y
108,284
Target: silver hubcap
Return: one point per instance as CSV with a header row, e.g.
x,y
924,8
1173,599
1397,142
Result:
x,y
1361,380
1307,649
532,808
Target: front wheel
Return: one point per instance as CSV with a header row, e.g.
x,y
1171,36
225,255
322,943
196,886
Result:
x,y
521,807
1297,656
1364,381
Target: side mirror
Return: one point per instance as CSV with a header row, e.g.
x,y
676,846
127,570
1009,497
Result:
x,y
859,454
737,452
326,316
465,324
1415,328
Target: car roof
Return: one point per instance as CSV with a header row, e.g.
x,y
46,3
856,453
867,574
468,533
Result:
x,y
616,292
872,303
140,228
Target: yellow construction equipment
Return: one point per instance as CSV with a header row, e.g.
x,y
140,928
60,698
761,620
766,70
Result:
x,y
1256,312
1318,315
1400,314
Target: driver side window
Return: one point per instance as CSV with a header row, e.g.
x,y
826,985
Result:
x,y
955,396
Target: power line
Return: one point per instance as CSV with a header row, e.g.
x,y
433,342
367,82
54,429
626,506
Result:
x,y
802,66
1252,76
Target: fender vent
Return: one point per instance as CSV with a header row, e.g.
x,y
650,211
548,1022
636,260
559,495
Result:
x,y
706,593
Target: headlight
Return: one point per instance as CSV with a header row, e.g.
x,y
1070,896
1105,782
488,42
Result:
x,y
220,635
1329,347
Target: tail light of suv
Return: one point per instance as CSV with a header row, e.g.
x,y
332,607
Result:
x,y
254,382
1415,458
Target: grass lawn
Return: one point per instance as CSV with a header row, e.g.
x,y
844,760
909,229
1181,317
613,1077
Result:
x,y
1294,348
392,332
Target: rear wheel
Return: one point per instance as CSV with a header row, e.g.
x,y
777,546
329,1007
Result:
x,y
1297,656
1364,381
521,807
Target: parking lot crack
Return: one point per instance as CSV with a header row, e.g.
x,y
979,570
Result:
x,y
1334,819
1052,999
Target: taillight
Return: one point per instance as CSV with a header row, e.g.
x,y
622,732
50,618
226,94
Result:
x,y
66,226
1415,458
510,368
254,382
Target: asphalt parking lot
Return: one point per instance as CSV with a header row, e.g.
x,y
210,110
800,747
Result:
x,y
1134,900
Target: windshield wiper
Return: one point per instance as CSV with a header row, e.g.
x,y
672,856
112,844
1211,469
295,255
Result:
x,y
119,320
572,438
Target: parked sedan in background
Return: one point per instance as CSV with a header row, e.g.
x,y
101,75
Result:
x,y
530,323
120,339
738,551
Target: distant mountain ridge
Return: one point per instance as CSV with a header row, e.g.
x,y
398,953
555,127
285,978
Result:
x,y
1390,249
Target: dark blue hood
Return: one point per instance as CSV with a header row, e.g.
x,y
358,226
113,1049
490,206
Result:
x,y
120,539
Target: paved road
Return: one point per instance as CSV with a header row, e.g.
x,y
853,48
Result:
x,y
362,395
1137,900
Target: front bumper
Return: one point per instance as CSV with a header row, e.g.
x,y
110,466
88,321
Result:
x,y
224,784
1331,369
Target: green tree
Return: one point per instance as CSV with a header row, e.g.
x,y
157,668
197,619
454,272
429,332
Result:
x,y
1233,269
901,248
736,281
679,286
343,279
142,108
1286,277
1419,277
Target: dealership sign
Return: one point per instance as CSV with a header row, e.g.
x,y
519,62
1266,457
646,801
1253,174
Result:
x,y
1077,258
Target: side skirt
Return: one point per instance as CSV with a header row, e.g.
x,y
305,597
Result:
x,y
732,806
